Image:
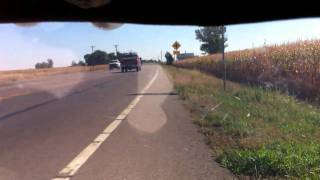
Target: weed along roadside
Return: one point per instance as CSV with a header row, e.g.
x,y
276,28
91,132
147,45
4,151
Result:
x,y
252,131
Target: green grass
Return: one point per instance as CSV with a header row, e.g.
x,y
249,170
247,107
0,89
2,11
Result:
x,y
253,131
277,159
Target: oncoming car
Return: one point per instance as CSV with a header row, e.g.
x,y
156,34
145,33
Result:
x,y
114,65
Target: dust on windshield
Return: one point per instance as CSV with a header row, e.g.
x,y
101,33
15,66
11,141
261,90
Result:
x,y
130,101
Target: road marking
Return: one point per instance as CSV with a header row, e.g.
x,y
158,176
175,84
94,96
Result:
x,y
112,126
70,170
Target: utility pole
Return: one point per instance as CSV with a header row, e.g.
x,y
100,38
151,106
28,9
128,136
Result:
x,y
116,46
224,63
92,67
161,55
92,48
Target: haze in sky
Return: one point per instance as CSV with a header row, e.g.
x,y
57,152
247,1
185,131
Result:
x,y
23,47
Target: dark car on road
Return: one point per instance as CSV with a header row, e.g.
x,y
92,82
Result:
x,y
130,61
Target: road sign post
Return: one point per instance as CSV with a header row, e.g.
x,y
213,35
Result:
x,y
224,64
176,45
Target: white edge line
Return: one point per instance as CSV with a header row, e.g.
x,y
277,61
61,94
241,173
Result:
x,y
70,170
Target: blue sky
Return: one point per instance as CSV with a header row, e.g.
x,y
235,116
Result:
x,y
22,47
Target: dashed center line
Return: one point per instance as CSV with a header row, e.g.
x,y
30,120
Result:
x,y
70,170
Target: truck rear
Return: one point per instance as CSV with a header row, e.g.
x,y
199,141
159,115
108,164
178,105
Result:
x,y
130,62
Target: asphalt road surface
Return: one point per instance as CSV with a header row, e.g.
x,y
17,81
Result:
x,y
100,125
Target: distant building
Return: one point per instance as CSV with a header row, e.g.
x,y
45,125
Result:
x,y
183,56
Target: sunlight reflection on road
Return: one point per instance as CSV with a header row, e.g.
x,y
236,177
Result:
x,y
148,116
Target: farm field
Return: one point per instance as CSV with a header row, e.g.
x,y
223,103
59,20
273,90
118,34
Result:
x,y
291,67
7,77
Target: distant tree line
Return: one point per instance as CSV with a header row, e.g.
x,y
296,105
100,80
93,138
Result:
x,y
80,63
99,57
150,61
48,64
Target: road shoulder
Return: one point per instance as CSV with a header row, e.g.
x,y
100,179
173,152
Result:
x,y
157,141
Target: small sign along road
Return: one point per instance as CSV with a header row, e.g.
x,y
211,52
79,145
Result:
x,y
176,45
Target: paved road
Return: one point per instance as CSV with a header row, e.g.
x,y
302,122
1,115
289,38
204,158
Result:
x,y
64,127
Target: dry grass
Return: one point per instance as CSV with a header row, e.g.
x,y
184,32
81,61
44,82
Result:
x,y
7,77
292,67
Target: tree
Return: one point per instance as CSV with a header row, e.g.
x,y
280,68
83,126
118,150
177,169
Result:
x,y
112,56
96,58
211,38
48,64
82,63
38,65
88,59
169,58
74,63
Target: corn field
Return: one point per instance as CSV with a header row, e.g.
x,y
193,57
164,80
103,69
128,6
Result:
x,y
290,67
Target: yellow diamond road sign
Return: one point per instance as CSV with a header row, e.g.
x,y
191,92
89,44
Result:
x,y
176,45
